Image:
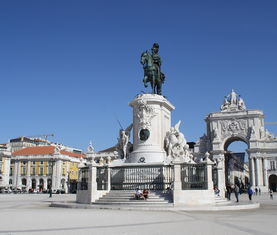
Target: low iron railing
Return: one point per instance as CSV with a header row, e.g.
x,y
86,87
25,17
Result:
x,y
143,177
194,176
83,179
102,178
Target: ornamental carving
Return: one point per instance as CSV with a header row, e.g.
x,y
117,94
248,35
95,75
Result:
x,y
233,102
145,113
233,127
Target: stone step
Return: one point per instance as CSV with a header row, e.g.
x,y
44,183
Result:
x,y
221,201
133,203
131,199
126,197
129,196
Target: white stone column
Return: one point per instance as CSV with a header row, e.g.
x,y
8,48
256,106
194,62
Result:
x,y
210,175
6,173
109,179
17,174
252,172
28,176
57,170
92,184
177,185
177,177
258,172
220,172
265,173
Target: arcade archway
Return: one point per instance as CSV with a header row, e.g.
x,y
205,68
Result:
x,y
236,162
272,182
236,123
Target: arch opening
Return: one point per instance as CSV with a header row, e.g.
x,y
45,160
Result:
x,y
236,162
272,182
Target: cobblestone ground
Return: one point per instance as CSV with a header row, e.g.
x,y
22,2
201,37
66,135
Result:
x,y
30,214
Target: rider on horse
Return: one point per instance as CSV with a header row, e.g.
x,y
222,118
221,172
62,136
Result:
x,y
157,61
152,69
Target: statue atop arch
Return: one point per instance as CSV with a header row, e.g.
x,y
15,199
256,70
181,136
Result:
x,y
152,69
233,102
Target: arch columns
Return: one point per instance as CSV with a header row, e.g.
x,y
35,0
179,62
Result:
x,y
252,171
265,173
258,171
218,156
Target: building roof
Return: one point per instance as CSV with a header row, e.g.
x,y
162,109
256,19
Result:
x,y
44,150
111,149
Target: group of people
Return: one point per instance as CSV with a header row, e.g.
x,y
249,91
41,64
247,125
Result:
x,y
230,188
237,190
141,194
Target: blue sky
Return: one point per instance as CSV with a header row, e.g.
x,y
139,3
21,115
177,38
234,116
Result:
x,y
71,67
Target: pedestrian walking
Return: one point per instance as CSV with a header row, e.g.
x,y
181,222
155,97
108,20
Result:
x,y
260,191
228,191
237,192
271,194
250,193
256,191
50,192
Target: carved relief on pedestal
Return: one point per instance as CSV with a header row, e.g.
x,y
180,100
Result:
x,y
145,113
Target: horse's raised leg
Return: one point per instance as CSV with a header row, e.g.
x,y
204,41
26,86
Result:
x,y
145,81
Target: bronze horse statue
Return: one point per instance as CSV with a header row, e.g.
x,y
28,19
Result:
x,y
152,73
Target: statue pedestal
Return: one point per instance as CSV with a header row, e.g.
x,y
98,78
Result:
x,y
151,121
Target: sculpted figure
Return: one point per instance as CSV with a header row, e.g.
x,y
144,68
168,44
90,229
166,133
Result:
x,y
123,141
262,132
233,97
241,104
225,104
176,144
152,69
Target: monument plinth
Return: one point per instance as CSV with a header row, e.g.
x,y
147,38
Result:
x,y
151,122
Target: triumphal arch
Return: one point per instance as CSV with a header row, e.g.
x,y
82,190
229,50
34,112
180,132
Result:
x,y
235,122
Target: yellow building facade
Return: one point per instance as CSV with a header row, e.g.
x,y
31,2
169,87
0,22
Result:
x,y
40,168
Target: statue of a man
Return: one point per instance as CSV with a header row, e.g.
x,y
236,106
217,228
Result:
x,y
157,61
152,69
156,58
123,142
233,97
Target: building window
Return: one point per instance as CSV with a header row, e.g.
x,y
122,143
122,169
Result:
x,y
41,162
272,165
33,170
23,170
50,170
34,163
41,170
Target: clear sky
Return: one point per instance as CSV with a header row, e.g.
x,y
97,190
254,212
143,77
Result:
x,y
71,67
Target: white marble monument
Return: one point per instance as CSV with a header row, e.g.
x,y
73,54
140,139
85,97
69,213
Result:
x,y
151,122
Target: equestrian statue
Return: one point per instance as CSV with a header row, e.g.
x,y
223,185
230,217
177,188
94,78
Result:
x,y
152,69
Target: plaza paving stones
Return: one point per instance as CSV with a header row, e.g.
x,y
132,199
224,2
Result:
x,y
31,214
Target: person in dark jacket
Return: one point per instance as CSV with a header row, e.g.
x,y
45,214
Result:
x,y
237,192
250,193
228,191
